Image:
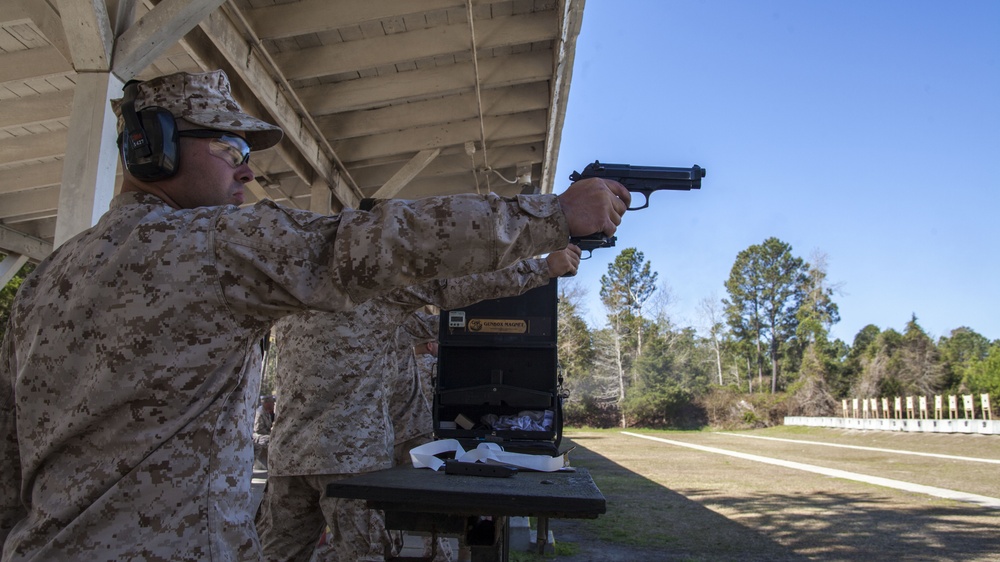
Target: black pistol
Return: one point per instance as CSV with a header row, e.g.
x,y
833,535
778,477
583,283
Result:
x,y
592,242
644,179
636,179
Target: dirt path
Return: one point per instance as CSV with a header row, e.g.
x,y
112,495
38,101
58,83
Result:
x,y
675,503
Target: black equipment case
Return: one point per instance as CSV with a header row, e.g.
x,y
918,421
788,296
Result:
x,y
497,360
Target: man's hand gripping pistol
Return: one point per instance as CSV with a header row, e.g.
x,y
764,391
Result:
x,y
637,179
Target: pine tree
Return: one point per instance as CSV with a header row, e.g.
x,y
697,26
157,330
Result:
x,y
766,289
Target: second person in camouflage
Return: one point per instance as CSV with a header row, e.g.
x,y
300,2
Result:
x,y
333,375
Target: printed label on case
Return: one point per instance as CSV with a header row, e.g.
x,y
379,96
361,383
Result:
x,y
498,326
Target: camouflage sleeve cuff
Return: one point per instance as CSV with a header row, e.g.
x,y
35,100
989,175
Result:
x,y
419,327
539,267
547,207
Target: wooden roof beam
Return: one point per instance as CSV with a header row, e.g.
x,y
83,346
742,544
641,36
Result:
x,y
156,32
435,111
19,66
379,91
89,34
45,19
20,178
451,161
562,74
37,202
16,242
397,48
30,148
314,16
512,126
30,110
405,174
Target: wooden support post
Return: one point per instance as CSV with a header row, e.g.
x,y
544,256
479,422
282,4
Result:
x,y
88,180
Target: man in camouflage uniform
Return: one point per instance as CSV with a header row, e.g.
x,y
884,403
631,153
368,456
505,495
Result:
x,y
130,364
262,422
410,400
410,406
333,375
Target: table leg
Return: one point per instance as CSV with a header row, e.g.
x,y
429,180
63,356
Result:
x,y
542,534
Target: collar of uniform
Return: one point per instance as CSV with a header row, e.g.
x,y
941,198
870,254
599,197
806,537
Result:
x,y
135,198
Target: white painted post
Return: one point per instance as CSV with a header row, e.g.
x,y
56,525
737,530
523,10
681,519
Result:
x,y
91,162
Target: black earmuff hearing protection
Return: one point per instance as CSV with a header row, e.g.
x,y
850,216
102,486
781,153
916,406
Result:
x,y
149,140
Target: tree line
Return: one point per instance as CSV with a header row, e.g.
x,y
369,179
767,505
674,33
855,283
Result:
x,y
760,353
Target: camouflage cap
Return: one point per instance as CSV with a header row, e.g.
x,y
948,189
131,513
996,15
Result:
x,y
204,99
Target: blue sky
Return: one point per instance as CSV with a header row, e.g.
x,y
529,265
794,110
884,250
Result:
x,y
865,130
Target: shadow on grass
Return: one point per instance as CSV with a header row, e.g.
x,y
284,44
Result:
x,y
647,521
856,526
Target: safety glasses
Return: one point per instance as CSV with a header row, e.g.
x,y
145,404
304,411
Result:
x,y
231,148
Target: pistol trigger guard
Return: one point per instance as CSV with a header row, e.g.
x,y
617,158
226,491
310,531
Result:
x,y
645,200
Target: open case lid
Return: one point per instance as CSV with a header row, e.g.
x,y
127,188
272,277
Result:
x,y
529,319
